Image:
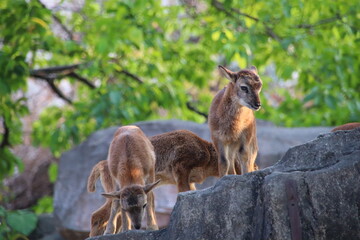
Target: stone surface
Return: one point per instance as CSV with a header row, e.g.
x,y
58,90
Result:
x,y
45,229
73,205
27,187
313,192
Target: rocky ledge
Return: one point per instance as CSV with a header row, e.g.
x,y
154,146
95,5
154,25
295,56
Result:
x,y
313,192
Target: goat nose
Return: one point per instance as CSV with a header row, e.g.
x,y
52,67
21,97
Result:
x,y
258,104
137,226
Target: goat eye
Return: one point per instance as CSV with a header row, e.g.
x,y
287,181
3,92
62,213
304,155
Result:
x,y
144,205
245,89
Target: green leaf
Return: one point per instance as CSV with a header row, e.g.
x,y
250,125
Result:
x,y
135,35
330,101
44,205
22,221
53,172
115,97
215,35
240,60
313,93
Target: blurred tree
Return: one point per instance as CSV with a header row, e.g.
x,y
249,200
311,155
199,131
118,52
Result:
x,y
130,60
315,42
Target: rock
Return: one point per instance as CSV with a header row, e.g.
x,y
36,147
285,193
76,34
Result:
x,y
45,229
27,187
313,192
275,141
73,205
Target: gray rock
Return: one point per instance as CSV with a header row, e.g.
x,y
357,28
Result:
x,y
312,193
45,229
25,188
275,141
73,205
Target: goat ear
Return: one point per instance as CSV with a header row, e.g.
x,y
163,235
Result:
x,y
115,194
151,186
254,69
227,73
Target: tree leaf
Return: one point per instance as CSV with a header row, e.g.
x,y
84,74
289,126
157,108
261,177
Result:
x,y
22,221
53,172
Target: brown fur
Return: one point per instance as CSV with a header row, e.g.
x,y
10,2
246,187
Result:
x,y
347,126
131,162
232,122
182,158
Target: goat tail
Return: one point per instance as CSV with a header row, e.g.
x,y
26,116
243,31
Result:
x,y
94,176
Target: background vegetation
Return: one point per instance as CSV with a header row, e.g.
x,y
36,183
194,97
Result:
x,y
129,61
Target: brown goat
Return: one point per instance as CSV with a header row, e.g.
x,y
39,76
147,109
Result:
x,y
232,121
131,162
347,126
182,158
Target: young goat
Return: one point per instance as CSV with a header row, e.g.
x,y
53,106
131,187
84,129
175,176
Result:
x,y
131,162
232,122
182,158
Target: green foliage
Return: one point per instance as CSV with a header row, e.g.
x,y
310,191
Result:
x,y
22,26
44,205
318,44
11,111
16,224
135,38
53,172
149,60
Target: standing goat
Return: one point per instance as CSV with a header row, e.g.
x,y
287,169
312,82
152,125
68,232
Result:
x,y
232,121
182,158
131,162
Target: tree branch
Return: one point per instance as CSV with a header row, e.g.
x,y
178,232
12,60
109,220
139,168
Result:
x,y
52,73
320,22
125,72
59,72
233,12
5,141
57,91
58,20
192,108
49,74
82,79
131,75
57,69
218,5
271,33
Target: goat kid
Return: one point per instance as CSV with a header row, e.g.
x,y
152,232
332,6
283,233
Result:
x,y
131,162
183,159
232,121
